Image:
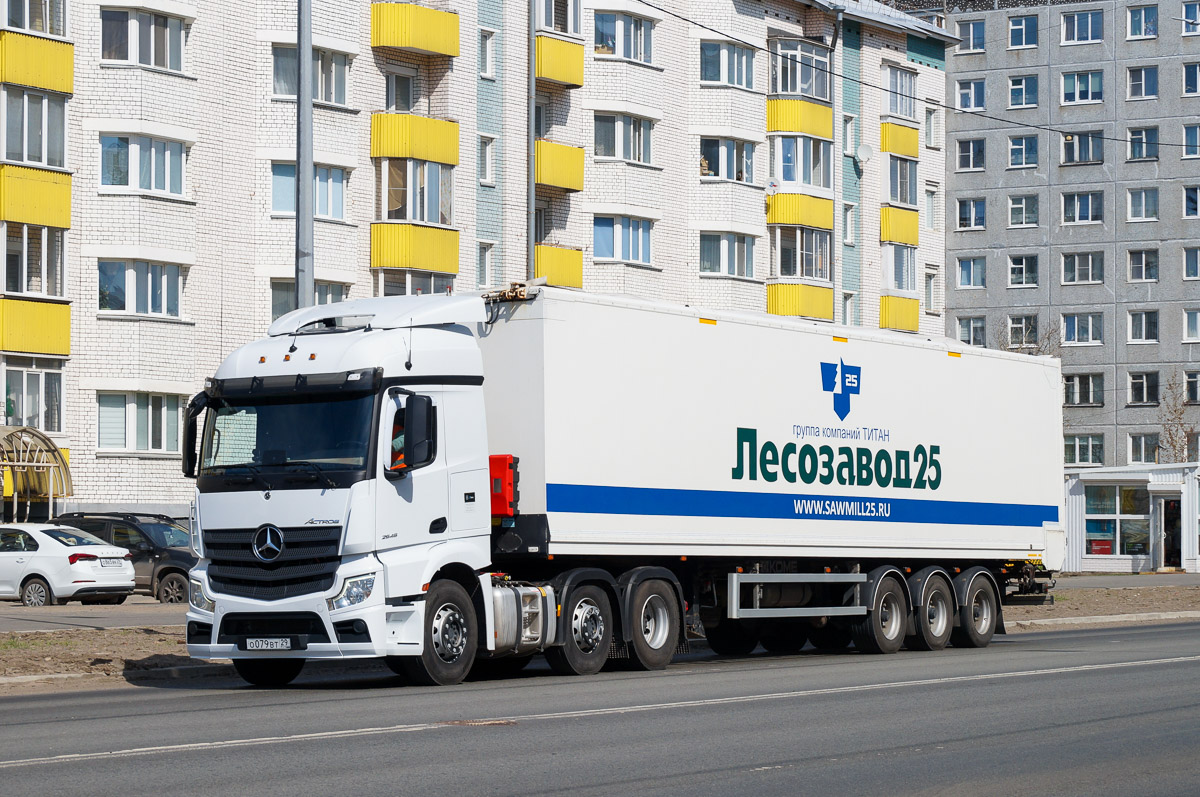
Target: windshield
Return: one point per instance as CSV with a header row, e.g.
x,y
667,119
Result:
x,y
72,537
166,535
255,432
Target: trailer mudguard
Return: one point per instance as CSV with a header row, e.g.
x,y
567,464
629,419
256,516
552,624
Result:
x,y
630,580
563,583
866,591
962,583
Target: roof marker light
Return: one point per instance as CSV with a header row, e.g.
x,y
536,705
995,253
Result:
x,y
312,356
287,357
836,339
262,360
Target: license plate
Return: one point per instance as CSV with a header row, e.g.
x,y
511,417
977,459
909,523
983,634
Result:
x,y
268,644
111,562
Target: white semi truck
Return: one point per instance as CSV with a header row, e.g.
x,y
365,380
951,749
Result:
x,y
448,482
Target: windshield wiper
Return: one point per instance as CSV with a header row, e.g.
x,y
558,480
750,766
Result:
x,y
256,475
320,474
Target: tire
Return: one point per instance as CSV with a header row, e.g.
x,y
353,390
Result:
x,y
655,625
784,636
117,601
36,592
269,673
451,637
588,633
977,617
933,617
495,669
731,638
882,629
173,588
829,637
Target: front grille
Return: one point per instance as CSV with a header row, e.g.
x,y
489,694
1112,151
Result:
x,y
308,564
239,626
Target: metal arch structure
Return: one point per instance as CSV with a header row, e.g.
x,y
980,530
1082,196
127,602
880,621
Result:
x,y
37,467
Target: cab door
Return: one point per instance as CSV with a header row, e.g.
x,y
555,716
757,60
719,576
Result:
x,y
16,549
413,505
126,536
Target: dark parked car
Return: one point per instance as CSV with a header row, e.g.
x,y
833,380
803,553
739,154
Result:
x,y
161,558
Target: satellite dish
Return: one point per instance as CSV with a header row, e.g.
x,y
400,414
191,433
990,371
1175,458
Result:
x,y
772,187
864,153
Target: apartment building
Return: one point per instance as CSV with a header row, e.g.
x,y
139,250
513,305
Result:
x,y
1073,189
771,156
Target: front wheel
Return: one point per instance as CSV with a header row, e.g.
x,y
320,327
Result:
x,y
589,633
656,612
451,637
173,589
977,618
270,673
36,592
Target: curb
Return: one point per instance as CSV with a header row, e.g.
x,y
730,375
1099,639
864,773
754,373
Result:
x,y
1033,625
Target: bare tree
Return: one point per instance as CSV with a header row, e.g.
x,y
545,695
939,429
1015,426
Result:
x,y
1178,424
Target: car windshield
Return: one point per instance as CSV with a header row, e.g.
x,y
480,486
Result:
x,y
329,432
166,535
68,536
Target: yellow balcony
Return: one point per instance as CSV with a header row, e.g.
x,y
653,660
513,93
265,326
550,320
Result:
x,y
559,165
35,196
37,62
808,301
559,265
403,135
35,327
800,116
559,60
800,210
897,225
408,26
397,244
899,312
899,140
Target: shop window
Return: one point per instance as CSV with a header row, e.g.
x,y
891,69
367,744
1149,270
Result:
x,y
1117,520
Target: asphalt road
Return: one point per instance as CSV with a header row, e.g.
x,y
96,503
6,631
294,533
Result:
x,y
138,610
1110,711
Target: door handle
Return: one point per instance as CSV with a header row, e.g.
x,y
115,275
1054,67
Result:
x,y
437,526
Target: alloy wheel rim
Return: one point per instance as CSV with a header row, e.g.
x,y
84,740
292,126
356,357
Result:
x,y
449,632
587,625
37,594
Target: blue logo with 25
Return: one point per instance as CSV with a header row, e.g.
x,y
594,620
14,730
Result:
x,y
843,381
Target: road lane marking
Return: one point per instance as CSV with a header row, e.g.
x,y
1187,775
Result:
x,y
71,758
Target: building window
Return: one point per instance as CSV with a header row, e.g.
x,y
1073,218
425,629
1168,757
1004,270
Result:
x,y
804,252
137,422
329,74
1143,448
726,63
1143,143
1083,147
971,95
486,163
1083,268
900,268
1143,82
416,190
1143,265
848,137
485,271
972,36
902,98
1191,19
1083,87
799,67
972,214
971,154
1191,79
972,272
1023,92
1191,263
848,225
283,295
1083,208
802,160
1022,331
1082,27
139,37
931,307
1191,141
727,159
486,56
33,393
400,91
1023,211
142,163
35,127
931,209
933,133
407,282
140,287
903,181
1191,332
621,238
1083,390
726,253
1083,328
1117,519
1022,32
1143,22
1084,449
624,36
971,331
1143,387
1022,270
1143,204
1193,397
559,15
329,190
33,259
1191,201
1143,326
632,133
1022,151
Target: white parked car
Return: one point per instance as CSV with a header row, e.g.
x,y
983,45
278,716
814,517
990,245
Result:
x,y
41,564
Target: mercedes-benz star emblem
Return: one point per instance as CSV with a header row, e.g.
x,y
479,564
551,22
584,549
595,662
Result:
x,y
268,543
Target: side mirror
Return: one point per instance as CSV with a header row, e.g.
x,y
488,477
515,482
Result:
x,y
144,547
194,408
420,438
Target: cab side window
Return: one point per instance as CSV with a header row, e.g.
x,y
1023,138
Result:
x,y
396,455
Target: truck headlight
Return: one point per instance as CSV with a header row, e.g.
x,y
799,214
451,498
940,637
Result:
x,y
198,597
354,591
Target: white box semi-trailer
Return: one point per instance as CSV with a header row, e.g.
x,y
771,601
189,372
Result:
x,y
654,471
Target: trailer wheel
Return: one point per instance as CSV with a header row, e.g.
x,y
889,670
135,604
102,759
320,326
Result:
x,y
731,638
451,637
784,636
829,637
977,619
656,613
882,629
934,618
589,633
271,673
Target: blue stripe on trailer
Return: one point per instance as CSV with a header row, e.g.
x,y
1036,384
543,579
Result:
x,y
600,500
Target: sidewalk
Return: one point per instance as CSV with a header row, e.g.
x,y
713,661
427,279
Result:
x,y
1125,580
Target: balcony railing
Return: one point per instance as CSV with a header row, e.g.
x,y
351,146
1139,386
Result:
x,y
402,244
35,196
559,265
37,62
800,299
406,135
559,165
409,26
559,60
35,326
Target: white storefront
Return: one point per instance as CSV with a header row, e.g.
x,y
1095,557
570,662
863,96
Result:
x,y
1133,519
